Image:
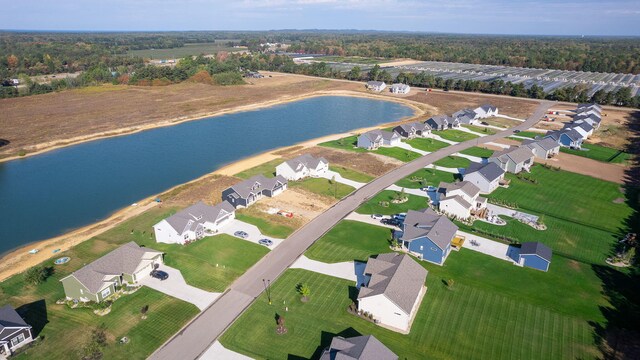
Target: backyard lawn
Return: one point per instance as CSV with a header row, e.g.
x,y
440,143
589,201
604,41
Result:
x,y
424,177
427,144
351,174
398,153
453,162
346,143
266,227
323,187
528,134
599,153
373,206
455,135
267,169
478,151
350,240
481,129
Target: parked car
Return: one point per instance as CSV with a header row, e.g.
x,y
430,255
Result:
x,y
516,131
265,242
392,222
400,216
376,216
428,188
241,234
159,274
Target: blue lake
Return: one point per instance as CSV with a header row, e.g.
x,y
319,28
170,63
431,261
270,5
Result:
x,y
47,195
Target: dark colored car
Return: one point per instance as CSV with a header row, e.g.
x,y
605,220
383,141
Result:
x,y
516,131
159,274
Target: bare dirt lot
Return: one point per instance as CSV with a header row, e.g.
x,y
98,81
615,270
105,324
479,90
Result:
x,y
363,162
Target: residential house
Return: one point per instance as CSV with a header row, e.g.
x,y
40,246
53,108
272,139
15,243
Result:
x,y
584,128
376,85
393,289
592,106
591,119
535,255
545,148
98,280
422,129
460,199
442,122
253,189
427,235
567,137
14,331
194,222
302,166
513,159
371,140
466,116
357,348
486,111
400,88
486,177
406,131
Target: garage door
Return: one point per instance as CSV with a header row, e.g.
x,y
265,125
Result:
x,y
144,272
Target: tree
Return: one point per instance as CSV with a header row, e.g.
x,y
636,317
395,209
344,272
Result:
x,y
355,73
374,73
12,61
37,275
304,291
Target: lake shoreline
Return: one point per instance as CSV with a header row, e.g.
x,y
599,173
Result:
x,y
19,260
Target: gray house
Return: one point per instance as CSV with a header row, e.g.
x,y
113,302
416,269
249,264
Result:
x,y
593,119
97,281
442,122
357,348
407,131
567,137
486,177
251,190
376,85
14,331
545,148
513,159
372,140
465,116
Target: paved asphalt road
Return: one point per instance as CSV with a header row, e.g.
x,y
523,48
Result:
x,y
199,334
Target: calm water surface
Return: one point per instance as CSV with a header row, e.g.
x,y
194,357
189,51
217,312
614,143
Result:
x,y
47,195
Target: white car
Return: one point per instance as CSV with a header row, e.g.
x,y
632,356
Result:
x,y
376,216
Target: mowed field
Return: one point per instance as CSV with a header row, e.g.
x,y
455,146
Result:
x,y
187,50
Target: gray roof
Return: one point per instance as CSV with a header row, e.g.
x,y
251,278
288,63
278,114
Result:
x,y
459,199
488,107
357,348
408,128
489,171
571,133
257,184
374,134
397,276
306,160
400,86
593,117
421,126
440,119
518,154
468,188
591,105
426,223
375,83
545,144
10,318
465,115
123,260
536,248
583,125
199,213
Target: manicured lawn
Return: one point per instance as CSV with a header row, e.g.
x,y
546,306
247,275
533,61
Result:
x,y
266,227
478,151
467,322
453,162
426,177
267,169
350,240
398,153
600,153
481,129
427,144
323,187
455,135
347,143
351,174
373,207
528,134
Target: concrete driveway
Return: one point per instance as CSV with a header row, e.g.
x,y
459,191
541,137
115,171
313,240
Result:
x,y
177,287
219,352
406,146
334,175
254,233
348,270
486,246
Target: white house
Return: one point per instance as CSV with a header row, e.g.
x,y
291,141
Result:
x,y
460,199
591,119
194,223
393,289
543,148
466,116
302,166
486,177
400,88
513,159
374,139
486,111
377,86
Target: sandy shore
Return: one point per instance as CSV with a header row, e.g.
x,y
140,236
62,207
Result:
x,y
20,260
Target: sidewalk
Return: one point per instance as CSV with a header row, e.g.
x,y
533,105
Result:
x,y
331,174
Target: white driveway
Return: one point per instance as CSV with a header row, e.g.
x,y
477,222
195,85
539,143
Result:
x,y
501,210
348,270
218,352
504,146
332,174
462,128
434,136
178,288
442,168
416,192
367,219
254,233
411,148
470,157
488,247
509,117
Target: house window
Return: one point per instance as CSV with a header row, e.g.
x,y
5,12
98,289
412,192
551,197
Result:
x,y
17,340
106,292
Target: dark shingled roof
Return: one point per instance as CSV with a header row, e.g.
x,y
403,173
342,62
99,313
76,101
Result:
x,y
10,318
357,348
256,184
536,248
489,171
425,222
198,213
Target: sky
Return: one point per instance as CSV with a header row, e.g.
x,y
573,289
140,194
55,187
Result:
x,y
543,17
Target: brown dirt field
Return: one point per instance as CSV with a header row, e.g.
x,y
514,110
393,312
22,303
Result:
x,y
304,204
585,166
208,189
259,210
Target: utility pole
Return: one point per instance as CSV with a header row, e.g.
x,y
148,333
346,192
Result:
x,y
267,288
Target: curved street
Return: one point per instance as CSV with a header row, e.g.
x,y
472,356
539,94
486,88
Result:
x,y
202,331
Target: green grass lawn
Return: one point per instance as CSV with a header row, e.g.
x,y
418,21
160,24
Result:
x,y
528,134
351,174
455,135
266,227
193,49
453,162
350,240
427,144
267,169
600,153
322,186
481,129
346,143
478,151
398,153
431,177
373,207
468,322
